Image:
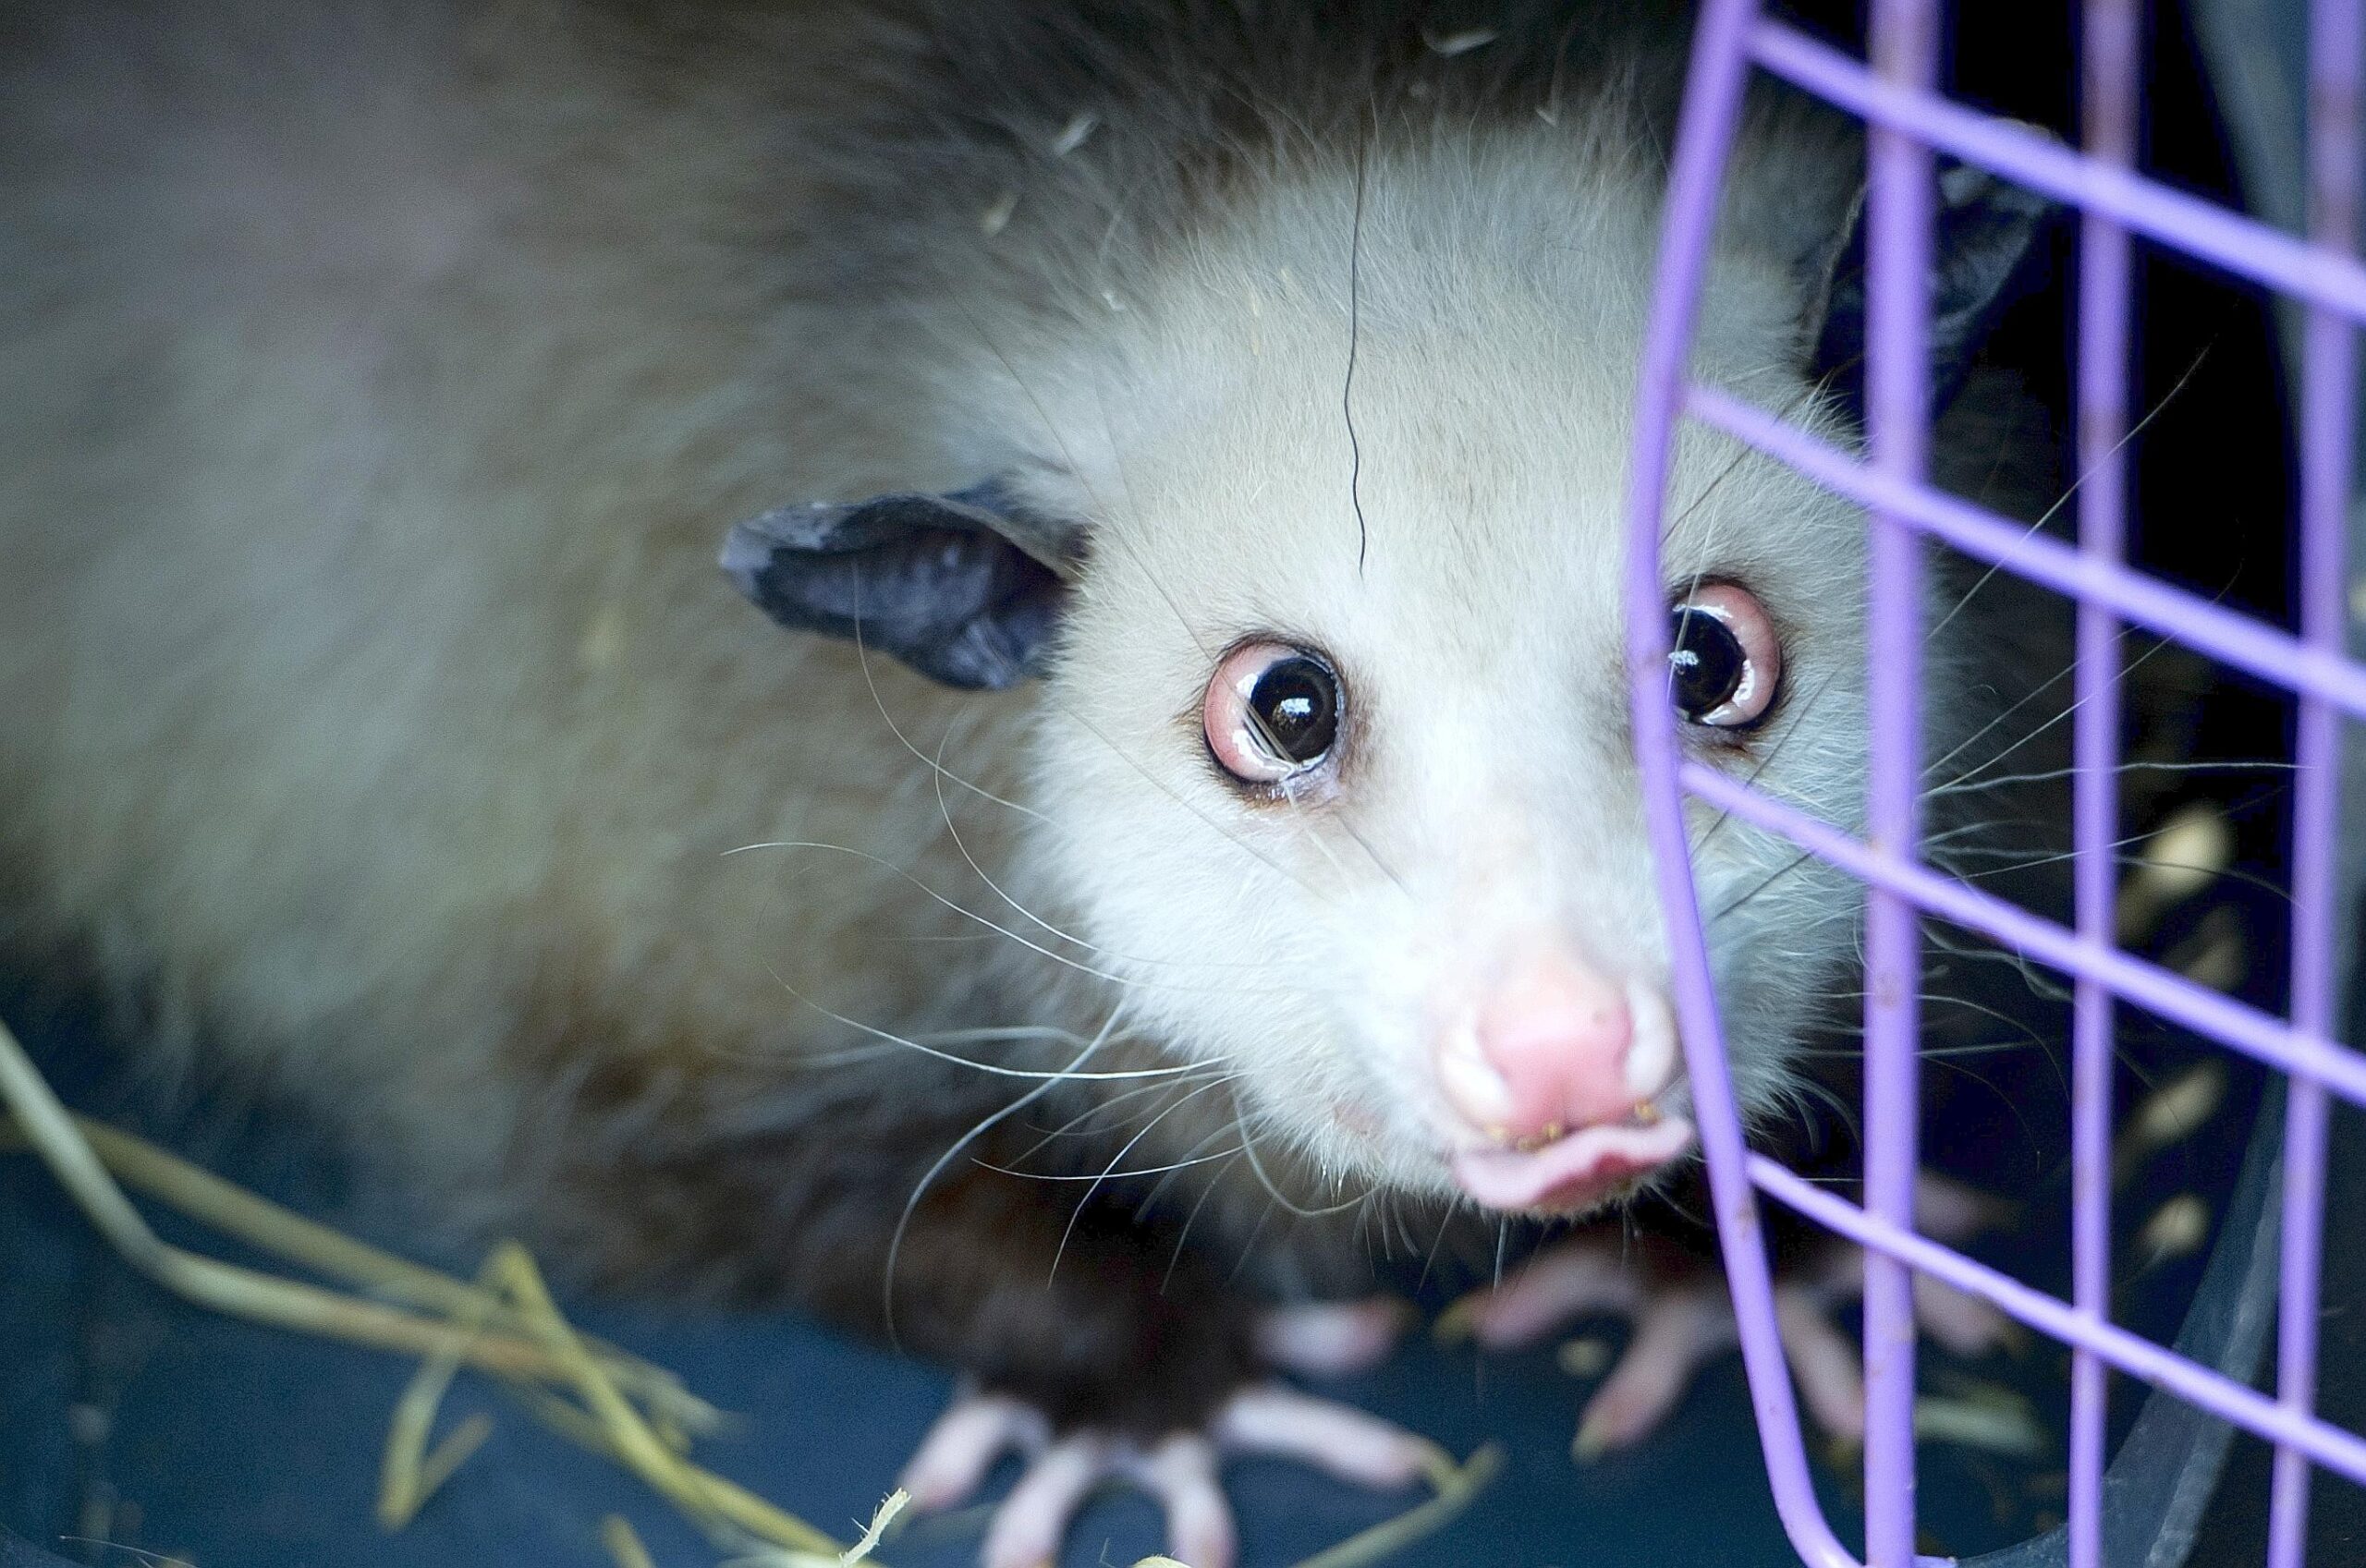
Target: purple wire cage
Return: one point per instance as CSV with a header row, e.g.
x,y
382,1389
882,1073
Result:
x,y
2322,277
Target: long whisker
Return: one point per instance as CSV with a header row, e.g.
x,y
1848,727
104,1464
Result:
x,y
1164,788
1183,1236
1076,1214
936,763
993,1069
1097,1109
2139,766
1799,723
999,929
2063,499
2130,668
1159,1187
927,1177
1372,855
1249,1147
953,831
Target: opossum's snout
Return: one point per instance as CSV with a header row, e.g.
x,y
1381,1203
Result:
x,y
1560,1069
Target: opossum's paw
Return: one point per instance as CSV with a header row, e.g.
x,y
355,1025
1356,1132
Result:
x,y
1333,1339
1179,1470
1681,1317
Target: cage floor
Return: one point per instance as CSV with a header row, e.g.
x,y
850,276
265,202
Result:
x,y
131,1425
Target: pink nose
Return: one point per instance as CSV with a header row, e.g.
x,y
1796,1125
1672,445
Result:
x,y
1554,1048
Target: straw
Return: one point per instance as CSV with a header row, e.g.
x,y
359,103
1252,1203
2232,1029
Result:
x,y
408,1474
504,1324
206,1197
624,1543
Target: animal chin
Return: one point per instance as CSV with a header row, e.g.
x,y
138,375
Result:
x,y
1575,1173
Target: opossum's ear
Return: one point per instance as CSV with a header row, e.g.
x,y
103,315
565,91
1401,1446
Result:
x,y
965,587
1985,255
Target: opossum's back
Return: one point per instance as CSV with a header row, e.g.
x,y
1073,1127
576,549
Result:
x,y
377,388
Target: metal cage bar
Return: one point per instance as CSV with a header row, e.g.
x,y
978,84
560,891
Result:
x,y
1907,119
1898,215
2106,276
2329,374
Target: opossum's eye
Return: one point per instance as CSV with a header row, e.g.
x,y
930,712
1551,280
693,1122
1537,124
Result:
x,y
1271,712
1725,660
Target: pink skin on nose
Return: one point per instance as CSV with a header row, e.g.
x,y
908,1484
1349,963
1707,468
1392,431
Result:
x,y
1559,1069
1556,1034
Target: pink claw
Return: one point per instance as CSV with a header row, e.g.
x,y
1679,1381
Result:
x,y
1181,1470
1681,1317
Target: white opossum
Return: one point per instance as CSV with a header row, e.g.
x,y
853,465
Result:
x,y
380,381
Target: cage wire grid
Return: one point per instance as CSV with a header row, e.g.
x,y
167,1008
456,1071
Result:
x,y
1908,120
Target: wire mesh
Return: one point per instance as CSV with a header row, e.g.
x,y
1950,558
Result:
x,y
1893,91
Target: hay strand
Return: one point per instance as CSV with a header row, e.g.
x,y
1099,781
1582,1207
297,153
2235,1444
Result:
x,y
408,1474
231,1209
624,1543
628,1433
1452,1488
506,1324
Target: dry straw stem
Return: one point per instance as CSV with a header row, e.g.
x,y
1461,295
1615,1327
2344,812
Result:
x,y
624,1543
733,1513
553,1352
895,1502
423,1473
506,1325
881,1517
2167,1116
208,1281
1453,1485
409,1475
231,1209
1992,1426
628,1435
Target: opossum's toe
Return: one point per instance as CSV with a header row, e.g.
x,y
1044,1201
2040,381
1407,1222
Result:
x,y
1028,1527
1681,1317
1181,1473
1352,1445
1180,1469
1682,1323
1577,1278
1963,1322
1676,1330
1331,1339
1825,1362
963,1445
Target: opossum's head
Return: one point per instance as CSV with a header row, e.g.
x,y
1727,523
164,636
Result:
x,y
1335,765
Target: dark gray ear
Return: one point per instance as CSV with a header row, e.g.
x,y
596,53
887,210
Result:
x,y
1985,255
964,588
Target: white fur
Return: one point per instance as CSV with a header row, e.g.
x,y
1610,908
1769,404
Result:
x,y
1487,793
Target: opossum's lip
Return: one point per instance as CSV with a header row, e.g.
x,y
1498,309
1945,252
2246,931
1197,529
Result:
x,y
1581,1170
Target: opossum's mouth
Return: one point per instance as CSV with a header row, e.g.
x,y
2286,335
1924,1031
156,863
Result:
x,y
1575,1173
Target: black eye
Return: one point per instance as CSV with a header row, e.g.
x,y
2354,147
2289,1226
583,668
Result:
x,y
1296,708
1707,661
1271,712
1725,659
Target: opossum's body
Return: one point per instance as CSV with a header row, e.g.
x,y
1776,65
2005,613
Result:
x,y
378,381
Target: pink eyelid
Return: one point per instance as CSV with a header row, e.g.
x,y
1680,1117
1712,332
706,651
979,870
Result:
x,y
1739,611
1225,714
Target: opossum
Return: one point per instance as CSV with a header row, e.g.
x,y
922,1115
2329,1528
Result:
x,y
1190,815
